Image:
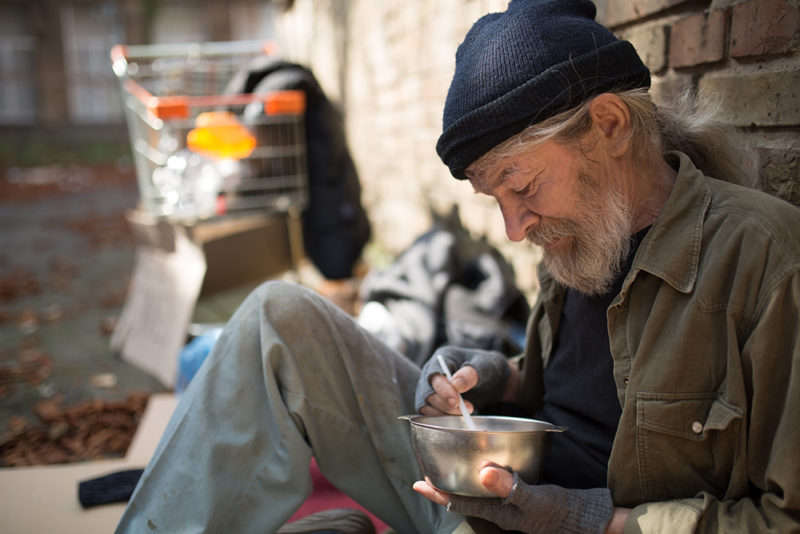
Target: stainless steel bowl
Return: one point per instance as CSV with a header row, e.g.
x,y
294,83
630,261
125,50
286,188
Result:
x,y
450,454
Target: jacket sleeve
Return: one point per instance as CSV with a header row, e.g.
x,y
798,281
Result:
x,y
771,354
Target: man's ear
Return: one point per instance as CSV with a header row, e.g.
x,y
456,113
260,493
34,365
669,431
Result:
x,y
611,120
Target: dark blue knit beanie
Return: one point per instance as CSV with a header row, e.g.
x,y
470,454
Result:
x,y
527,64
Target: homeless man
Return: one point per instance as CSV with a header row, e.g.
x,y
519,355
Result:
x,y
665,335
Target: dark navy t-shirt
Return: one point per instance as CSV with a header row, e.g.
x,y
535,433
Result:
x,y
580,392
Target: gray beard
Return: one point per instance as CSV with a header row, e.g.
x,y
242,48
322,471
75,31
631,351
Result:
x,y
600,241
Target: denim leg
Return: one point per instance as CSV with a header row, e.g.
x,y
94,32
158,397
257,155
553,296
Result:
x,y
290,377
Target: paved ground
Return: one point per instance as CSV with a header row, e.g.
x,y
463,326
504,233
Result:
x,y
66,257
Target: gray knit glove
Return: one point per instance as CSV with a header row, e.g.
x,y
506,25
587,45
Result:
x,y
492,367
541,509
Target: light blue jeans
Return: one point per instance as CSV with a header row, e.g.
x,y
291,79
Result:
x,y
290,377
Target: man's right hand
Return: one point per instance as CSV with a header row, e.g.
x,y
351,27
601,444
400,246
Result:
x,y
481,376
444,399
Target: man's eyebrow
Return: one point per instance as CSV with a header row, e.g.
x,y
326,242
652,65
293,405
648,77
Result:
x,y
490,181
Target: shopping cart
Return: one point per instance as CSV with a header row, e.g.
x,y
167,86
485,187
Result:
x,y
200,151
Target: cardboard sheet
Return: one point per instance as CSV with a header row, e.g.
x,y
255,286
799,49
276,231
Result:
x,y
164,288
44,499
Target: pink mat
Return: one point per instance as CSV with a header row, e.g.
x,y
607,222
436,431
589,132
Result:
x,y
325,496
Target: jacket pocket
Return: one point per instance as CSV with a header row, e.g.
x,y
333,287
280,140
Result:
x,y
686,443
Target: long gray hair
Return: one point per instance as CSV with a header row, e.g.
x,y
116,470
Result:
x,y
688,124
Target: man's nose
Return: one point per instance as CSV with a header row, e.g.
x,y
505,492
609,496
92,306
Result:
x,y
518,219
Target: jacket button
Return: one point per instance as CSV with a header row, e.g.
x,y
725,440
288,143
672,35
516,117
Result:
x,y
697,427
625,380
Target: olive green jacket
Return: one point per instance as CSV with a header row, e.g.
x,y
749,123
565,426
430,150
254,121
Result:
x,y
705,337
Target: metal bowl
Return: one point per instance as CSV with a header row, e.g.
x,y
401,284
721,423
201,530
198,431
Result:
x,y
450,454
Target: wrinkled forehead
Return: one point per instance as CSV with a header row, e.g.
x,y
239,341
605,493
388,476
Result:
x,y
487,176
483,173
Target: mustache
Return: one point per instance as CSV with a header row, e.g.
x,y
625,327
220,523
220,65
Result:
x,y
551,230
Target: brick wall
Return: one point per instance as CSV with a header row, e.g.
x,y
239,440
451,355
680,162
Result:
x,y
744,52
388,65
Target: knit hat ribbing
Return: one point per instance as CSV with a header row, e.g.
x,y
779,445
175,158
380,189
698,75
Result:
x,y
524,65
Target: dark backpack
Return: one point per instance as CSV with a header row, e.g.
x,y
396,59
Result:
x,y
335,224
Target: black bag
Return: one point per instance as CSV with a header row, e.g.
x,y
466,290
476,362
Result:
x,y
335,224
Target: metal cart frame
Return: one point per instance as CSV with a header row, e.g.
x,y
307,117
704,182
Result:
x,y
202,150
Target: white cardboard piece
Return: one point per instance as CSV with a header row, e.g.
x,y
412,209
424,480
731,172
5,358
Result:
x,y
163,291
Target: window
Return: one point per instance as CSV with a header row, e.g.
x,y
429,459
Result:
x,y
17,60
89,32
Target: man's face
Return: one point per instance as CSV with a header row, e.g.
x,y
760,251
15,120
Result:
x,y
558,200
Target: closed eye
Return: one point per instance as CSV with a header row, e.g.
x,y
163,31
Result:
x,y
529,189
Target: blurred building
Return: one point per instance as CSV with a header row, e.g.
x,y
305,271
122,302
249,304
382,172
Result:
x,y
56,82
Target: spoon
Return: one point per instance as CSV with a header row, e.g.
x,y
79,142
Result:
x,y
461,405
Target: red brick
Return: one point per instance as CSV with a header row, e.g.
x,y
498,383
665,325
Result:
x,y
762,27
698,39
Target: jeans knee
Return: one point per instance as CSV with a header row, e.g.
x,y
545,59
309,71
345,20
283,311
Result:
x,y
286,299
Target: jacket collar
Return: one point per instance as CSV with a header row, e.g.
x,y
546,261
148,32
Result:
x,y
671,249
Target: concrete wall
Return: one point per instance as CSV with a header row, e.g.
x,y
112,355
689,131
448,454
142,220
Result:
x,y
388,65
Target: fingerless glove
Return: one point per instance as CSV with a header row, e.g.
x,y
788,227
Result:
x,y
492,367
542,509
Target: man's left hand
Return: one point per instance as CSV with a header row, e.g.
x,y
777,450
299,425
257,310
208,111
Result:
x,y
495,479
526,508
